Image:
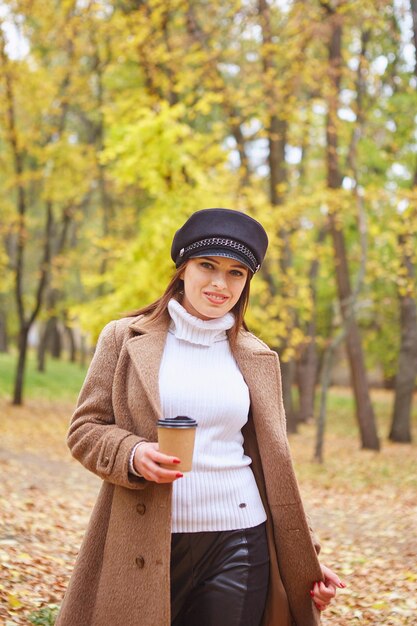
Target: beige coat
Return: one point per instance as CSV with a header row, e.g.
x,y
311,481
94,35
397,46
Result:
x,y
121,577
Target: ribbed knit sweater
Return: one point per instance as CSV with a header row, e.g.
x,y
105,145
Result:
x,y
199,377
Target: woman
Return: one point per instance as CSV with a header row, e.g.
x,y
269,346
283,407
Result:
x,y
227,544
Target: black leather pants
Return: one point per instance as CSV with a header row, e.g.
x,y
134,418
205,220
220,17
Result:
x,y
219,578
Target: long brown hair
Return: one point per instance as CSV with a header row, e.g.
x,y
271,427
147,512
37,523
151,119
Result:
x,y
175,289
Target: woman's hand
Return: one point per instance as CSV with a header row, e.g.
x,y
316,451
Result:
x,y
147,459
323,592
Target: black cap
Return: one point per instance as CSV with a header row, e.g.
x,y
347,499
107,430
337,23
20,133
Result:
x,y
221,232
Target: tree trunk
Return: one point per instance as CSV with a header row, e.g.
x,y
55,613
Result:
x,y
388,381
325,384
276,128
321,420
413,7
364,411
25,322
406,376
21,365
55,342
308,363
4,339
42,347
50,339
407,361
106,201
200,38
287,376
83,351
72,344
306,380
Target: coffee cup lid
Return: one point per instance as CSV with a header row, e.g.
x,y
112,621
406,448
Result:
x,y
181,421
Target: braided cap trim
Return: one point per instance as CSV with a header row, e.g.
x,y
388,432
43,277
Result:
x,y
221,241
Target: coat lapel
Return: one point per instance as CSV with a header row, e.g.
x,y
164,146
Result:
x,y
296,561
260,369
145,351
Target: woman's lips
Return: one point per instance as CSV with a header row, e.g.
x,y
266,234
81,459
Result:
x,y
215,298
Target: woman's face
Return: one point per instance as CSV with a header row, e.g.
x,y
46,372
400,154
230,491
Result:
x,y
212,285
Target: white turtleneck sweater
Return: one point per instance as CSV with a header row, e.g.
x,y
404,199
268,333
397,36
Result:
x,y
199,377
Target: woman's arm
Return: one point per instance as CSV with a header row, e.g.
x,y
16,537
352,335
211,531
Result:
x,y
93,438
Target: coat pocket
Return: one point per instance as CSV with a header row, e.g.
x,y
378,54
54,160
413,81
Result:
x,y
289,516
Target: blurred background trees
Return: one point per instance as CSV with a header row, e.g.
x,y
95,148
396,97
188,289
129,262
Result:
x,y
119,119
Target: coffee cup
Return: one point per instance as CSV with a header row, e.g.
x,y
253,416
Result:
x,y
176,437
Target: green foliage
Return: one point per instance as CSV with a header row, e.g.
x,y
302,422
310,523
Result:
x,y
62,380
45,616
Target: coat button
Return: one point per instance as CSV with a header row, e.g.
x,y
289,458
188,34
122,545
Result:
x,y
141,508
140,562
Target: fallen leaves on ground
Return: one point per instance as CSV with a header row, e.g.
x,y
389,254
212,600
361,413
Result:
x,y
362,504
45,499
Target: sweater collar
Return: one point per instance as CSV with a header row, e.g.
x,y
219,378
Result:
x,y
194,330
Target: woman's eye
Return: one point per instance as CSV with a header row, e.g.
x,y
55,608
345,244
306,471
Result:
x,y
206,265
237,273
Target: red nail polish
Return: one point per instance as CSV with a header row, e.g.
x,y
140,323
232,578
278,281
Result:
x,y
311,593
179,475
176,461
